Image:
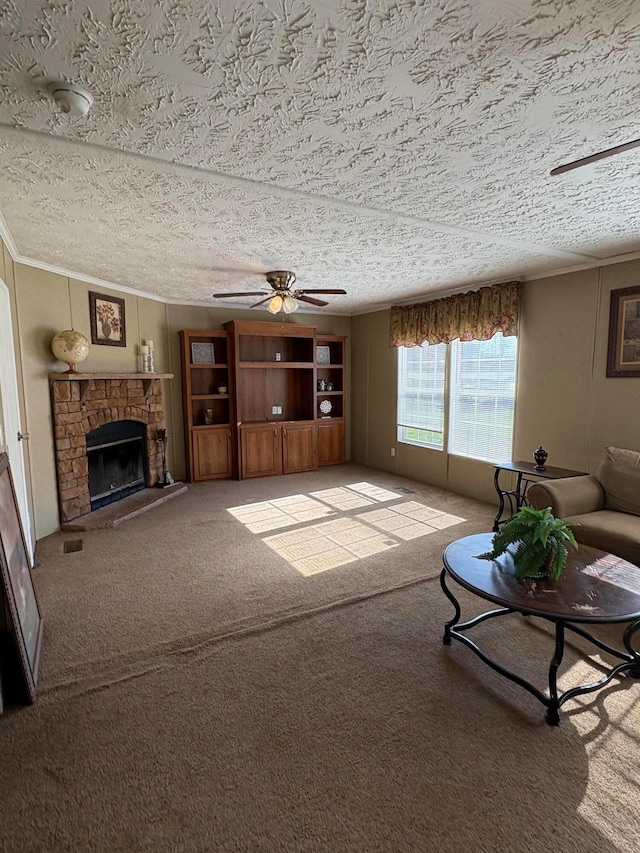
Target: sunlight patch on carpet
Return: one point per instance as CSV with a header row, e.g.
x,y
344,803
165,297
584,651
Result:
x,y
376,493
342,498
326,546
410,520
321,547
280,512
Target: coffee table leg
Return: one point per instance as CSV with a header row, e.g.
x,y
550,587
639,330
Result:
x,y
628,634
552,716
446,639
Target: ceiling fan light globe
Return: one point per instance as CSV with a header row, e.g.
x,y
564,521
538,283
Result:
x,y
276,304
290,304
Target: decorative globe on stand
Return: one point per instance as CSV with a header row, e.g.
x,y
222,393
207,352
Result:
x,y
71,347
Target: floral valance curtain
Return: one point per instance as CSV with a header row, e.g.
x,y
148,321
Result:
x,y
473,316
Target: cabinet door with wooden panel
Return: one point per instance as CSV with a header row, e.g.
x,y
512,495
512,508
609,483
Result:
x,y
330,442
260,450
268,449
299,448
212,453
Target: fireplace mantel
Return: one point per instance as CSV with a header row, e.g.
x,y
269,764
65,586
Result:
x,y
85,378
72,377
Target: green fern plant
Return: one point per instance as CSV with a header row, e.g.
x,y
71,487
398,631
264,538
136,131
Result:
x,y
540,541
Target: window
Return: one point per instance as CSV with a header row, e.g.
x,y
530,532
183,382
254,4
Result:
x,y
421,395
480,379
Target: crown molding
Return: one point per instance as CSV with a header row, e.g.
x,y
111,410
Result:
x,y
88,279
7,239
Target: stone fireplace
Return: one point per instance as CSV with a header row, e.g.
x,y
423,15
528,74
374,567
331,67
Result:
x,y
82,404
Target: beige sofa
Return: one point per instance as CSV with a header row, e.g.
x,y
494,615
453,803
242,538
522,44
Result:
x,y
605,505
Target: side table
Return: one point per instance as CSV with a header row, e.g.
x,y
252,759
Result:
x,y
527,474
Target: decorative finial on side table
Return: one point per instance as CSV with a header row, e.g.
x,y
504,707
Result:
x,y
540,456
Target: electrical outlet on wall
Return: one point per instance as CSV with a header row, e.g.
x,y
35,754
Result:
x,y
393,451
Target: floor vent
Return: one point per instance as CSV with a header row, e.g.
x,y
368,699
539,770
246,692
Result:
x,y
404,491
72,545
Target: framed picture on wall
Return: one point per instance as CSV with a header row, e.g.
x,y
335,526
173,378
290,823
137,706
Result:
x,y
107,320
623,354
22,614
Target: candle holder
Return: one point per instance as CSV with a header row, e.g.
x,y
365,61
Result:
x,y
151,366
167,480
145,360
146,357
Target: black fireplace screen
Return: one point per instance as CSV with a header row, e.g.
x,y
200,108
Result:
x,y
116,453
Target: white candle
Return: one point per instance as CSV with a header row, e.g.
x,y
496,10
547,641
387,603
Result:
x,y
149,344
144,350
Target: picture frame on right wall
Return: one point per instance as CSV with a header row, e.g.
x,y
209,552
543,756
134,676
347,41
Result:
x,y
623,353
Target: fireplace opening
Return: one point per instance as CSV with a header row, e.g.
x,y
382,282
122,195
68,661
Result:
x,y
116,454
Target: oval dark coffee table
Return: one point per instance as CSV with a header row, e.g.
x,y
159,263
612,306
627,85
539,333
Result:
x,y
596,588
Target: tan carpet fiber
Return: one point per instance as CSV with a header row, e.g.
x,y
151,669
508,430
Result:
x,y
197,693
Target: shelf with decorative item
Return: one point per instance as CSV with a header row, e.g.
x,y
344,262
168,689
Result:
x,y
210,410
330,398
208,402
330,364
279,343
330,408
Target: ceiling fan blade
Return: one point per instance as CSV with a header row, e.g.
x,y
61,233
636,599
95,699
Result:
x,y
242,293
302,298
322,290
592,158
239,270
262,301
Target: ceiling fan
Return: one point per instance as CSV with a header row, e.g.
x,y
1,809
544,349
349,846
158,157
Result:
x,y
592,158
283,297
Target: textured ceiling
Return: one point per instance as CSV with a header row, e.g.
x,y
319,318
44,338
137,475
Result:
x,y
396,149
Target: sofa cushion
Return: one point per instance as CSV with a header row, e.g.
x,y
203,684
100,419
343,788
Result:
x,y
610,531
619,475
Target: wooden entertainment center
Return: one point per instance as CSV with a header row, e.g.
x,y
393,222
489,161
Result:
x,y
261,399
